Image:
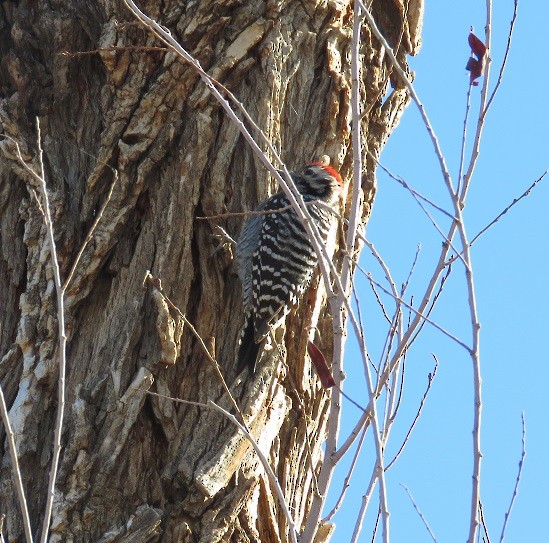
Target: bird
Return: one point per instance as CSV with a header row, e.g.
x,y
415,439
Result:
x,y
275,257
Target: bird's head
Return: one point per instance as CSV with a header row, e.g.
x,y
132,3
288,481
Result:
x,y
322,181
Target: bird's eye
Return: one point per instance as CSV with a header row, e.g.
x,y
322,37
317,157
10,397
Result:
x,y
309,172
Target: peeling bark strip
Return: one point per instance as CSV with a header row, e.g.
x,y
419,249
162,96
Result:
x,y
135,467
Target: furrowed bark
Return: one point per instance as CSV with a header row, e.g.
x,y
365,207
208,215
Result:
x,y
136,467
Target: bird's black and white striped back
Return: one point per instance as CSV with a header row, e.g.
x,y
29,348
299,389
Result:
x,y
276,259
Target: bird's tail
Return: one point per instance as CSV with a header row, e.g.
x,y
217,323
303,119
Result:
x,y
248,348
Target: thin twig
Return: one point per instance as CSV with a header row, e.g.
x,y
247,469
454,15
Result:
x,y
267,467
464,136
91,231
505,57
475,152
419,513
436,296
411,272
418,414
483,522
403,183
383,265
376,525
16,471
379,301
115,48
515,201
347,481
247,213
517,481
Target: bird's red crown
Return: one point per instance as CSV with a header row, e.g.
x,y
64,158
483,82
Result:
x,y
329,170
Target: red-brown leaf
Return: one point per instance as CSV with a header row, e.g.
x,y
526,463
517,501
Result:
x,y
475,66
477,46
319,362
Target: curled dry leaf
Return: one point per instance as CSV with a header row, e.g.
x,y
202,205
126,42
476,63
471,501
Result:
x,y
319,362
476,65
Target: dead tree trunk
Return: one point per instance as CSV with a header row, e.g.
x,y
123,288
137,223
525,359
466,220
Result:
x,y
114,108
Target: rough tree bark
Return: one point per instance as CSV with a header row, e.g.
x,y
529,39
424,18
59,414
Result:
x,y
136,467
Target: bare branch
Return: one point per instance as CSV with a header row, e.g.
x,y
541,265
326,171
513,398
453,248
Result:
x,y
16,471
45,207
364,506
267,467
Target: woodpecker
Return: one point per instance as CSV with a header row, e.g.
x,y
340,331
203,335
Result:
x,y
275,258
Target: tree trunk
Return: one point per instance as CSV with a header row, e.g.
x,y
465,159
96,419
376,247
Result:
x,y
136,467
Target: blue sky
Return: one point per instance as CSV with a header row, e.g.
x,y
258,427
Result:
x,y
510,264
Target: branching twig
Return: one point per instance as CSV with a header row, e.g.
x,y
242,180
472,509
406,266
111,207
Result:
x,y
422,316
45,208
